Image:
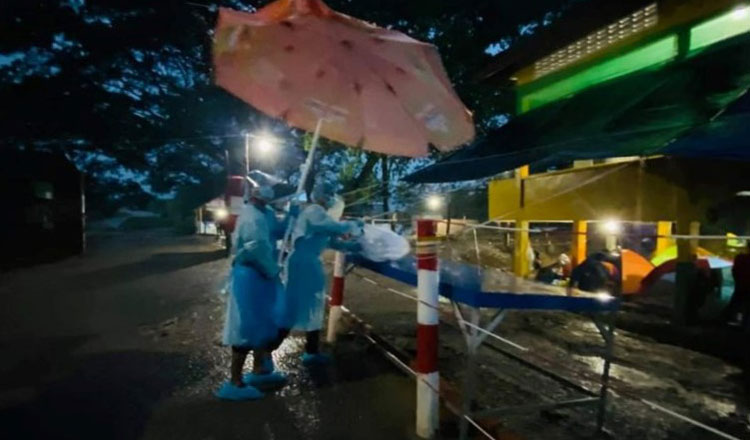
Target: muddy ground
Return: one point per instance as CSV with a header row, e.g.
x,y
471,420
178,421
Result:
x,y
695,372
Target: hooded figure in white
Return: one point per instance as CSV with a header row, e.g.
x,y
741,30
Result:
x,y
303,303
255,286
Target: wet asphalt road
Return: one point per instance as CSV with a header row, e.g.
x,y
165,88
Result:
x,y
123,343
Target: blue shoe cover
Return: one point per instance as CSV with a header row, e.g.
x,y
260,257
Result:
x,y
315,359
275,378
229,391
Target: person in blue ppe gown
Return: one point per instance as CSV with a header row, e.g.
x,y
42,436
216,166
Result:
x,y
303,303
250,322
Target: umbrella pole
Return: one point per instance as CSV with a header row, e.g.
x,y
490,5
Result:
x,y
301,186
310,157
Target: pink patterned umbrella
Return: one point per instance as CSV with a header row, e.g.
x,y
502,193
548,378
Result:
x,y
358,84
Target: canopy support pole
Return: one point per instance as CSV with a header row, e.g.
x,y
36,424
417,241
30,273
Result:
x,y
521,250
663,231
578,248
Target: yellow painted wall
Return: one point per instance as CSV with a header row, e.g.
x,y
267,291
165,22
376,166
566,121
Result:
x,y
650,190
504,198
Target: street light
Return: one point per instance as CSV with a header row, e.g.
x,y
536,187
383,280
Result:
x,y
221,214
434,202
263,145
612,227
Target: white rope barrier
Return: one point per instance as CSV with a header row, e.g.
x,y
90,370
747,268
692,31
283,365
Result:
x,y
461,321
704,237
688,420
414,374
510,229
396,292
494,336
478,428
354,191
462,227
551,196
624,393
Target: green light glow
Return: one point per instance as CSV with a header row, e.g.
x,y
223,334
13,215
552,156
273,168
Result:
x,y
725,26
650,55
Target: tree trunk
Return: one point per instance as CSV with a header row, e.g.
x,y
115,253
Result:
x,y
386,176
364,173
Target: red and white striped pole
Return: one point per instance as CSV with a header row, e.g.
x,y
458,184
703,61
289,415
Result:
x,y
428,378
337,296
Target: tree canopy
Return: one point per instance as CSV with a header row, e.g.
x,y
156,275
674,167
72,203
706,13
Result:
x,y
125,86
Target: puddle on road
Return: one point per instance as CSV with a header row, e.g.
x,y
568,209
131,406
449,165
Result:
x,y
642,380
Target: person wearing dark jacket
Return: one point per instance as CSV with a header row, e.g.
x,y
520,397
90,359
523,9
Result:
x,y
740,302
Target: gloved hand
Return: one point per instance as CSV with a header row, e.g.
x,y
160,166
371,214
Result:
x,y
355,247
346,245
357,228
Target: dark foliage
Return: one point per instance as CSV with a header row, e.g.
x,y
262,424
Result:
x,y
125,85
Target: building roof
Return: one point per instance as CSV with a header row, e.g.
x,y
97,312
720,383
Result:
x,y
579,20
605,26
692,103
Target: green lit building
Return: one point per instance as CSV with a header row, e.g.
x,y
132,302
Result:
x,y
629,110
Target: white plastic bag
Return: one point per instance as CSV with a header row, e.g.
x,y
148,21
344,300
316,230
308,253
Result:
x,y
379,244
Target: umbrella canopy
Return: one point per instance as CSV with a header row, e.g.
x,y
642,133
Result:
x,y
300,61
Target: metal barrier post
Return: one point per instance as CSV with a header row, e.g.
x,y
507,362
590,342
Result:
x,y
472,346
608,333
428,378
337,296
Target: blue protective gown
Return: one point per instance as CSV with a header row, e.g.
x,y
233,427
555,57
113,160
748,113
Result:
x,y
303,303
255,284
